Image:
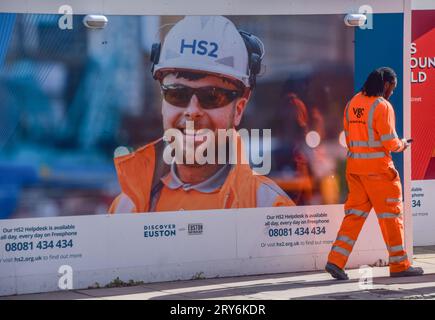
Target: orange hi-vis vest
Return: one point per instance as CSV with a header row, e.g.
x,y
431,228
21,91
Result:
x,y
369,127
139,172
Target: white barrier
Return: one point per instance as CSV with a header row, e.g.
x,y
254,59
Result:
x,y
423,212
173,246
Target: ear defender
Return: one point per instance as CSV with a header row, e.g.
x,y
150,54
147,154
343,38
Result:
x,y
155,56
255,55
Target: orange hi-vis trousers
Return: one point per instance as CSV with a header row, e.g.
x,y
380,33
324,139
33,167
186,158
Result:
x,y
383,192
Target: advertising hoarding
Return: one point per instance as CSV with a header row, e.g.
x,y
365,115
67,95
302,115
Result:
x,y
89,95
423,122
96,251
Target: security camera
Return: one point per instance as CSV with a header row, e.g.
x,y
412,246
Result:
x,y
94,21
355,19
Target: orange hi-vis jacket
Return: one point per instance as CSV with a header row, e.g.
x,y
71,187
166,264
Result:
x,y
369,127
139,172
372,180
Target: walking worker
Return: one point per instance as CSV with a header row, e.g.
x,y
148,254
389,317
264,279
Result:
x,y
206,69
373,181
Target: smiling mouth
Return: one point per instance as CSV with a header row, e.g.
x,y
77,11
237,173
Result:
x,y
198,135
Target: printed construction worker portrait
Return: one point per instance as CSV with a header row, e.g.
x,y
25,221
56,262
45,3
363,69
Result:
x,y
206,69
172,113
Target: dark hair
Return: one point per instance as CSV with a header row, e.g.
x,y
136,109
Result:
x,y
374,85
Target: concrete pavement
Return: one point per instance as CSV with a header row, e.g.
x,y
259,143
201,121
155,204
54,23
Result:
x,y
301,285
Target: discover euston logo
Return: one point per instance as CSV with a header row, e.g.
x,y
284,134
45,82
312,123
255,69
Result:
x,y
159,230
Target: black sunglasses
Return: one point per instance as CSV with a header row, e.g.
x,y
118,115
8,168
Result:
x,y
208,97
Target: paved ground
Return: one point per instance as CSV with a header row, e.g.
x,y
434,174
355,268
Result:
x,y
301,285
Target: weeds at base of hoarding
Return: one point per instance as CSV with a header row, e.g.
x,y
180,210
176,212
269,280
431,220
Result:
x,y
198,276
117,283
379,263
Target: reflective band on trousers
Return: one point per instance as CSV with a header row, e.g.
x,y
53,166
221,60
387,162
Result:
x,y
398,259
393,200
389,136
348,240
365,144
340,250
396,248
365,155
389,215
357,212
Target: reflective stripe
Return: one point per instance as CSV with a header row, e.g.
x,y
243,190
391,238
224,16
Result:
x,y
393,200
357,212
347,112
365,144
389,136
396,248
348,240
125,204
389,215
370,119
366,155
267,193
398,259
121,151
341,250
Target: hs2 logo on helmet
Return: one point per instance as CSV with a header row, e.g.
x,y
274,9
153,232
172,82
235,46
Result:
x,y
359,112
201,47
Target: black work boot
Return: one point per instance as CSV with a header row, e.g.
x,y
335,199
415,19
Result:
x,y
410,272
336,272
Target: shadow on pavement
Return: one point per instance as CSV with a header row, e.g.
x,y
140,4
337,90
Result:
x,y
378,294
223,288
373,294
430,277
254,289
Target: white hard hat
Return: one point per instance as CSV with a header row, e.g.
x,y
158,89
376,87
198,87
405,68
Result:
x,y
211,44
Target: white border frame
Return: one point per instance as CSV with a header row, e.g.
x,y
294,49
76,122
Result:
x,y
255,7
417,5
407,37
423,5
201,7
